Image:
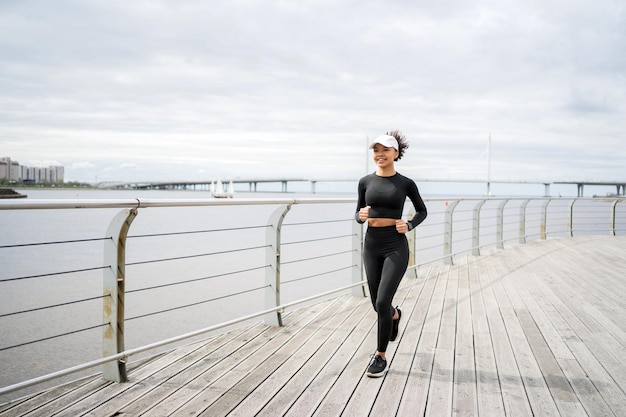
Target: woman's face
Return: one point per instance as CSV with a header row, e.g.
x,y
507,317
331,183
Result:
x,y
383,156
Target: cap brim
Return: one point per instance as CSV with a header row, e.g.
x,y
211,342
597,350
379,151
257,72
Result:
x,y
387,141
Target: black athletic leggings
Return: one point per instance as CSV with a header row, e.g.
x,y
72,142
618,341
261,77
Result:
x,y
386,257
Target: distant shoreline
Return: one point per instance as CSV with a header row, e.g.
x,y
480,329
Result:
x,y
62,186
10,193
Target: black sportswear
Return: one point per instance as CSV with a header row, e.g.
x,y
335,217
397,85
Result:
x,y
386,197
385,251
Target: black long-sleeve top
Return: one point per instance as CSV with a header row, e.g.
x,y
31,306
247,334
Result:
x,y
386,197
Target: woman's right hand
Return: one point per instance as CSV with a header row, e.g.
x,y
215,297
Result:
x,y
364,213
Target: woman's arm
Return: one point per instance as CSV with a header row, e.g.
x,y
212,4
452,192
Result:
x,y
360,203
418,204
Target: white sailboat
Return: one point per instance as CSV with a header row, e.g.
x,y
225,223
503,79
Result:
x,y
218,190
231,190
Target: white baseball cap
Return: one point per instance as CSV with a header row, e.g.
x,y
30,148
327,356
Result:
x,y
387,141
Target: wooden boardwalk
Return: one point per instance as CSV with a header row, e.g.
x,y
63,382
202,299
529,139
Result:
x,y
533,330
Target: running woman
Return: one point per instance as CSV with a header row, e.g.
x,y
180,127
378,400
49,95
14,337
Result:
x,y
381,197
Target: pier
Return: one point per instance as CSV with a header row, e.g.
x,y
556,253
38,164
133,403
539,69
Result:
x,y
533,330
511,307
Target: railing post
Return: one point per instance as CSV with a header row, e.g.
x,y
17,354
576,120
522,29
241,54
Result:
x,y
570,219
500,225
476,228
447,236
544,221
357,259
113,300
522,221
272,274
612,218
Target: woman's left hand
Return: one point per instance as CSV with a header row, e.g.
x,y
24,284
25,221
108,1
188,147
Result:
x,y
402,226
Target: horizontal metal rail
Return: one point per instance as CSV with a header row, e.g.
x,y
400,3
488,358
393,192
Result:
x,y
46,204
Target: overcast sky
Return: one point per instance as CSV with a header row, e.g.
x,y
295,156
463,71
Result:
x,y
160,90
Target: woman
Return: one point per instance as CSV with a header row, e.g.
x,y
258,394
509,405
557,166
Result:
x,y
386,250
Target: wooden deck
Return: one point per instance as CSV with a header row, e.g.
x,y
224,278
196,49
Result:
x,y
534,330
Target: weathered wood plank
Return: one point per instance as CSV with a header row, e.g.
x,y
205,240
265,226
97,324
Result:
x,y
346,384
117,396
419,342
192,381
536,388
258,369
53,398
514,394
368,390
465,399
582,367
393,390
83,404
277,393
442,380
489,394
548,348
186,376
353,393
310,399
535,329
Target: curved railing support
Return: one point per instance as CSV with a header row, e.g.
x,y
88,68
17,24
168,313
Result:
x,y
500,225
447,238
570,219
522,221
544,221
272,274
476,228
612,218
113,300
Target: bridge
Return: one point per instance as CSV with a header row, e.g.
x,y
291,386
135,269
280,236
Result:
x,y
205,184
620,186
253,183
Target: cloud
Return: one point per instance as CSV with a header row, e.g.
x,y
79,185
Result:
x,y
41,163
81,165
295,88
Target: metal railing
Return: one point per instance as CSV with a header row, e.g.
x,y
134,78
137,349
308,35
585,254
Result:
x,y
454,226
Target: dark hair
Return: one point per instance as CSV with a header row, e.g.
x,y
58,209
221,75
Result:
x,y
403,143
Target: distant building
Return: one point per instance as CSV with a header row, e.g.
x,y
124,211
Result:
x,y
5,165
9,170
12,172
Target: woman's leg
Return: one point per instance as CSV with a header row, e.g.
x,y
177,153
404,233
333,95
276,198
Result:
x,y
373,261
394,268
385,258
